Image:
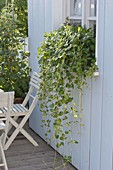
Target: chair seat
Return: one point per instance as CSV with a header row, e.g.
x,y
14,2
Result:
x,y
17,110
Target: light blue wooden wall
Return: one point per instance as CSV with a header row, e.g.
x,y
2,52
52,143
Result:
x,y
94,151
40,21
107,99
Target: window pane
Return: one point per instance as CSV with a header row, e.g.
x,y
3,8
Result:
x,y
93,6
92,24
76,7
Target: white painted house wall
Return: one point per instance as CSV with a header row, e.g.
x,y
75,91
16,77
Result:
x,y
94,151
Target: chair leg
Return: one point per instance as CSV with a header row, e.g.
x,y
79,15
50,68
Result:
x,y
15,124
10,125
19,128
3,157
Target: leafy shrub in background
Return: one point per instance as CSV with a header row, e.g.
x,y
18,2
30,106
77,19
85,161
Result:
x,y
21,11
14,70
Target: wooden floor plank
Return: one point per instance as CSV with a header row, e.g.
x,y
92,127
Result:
x,y
22,155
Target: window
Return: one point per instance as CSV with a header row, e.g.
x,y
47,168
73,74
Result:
x,y
83,12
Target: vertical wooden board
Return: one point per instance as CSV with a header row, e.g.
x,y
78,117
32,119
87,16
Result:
x,y
107,120
31,31
35,122
75,147
64,10
48,15
75,133
97,96
33,36
95,134
107,117
56,14
41,14
106,145
37,32
41,21
85,130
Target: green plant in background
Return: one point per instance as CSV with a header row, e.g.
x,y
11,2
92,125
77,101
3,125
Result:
x,y
2,4
14,70
21,11
66,58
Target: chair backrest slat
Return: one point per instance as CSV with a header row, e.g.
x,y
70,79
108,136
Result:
x,y
35,81
32,96
6,99
3,100
34,87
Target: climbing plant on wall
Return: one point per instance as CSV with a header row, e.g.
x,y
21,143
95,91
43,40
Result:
x,y
66,58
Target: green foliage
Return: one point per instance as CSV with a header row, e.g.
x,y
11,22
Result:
x,y
21,12
14,71
2,4
66,58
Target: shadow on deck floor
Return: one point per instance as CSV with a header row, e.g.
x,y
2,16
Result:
x,y
22,155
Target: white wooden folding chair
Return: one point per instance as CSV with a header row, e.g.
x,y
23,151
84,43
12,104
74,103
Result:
x,y
21,110
6,103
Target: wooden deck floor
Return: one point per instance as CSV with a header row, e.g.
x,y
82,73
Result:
x,y
22,155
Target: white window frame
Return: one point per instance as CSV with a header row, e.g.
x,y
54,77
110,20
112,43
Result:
x,y
85,18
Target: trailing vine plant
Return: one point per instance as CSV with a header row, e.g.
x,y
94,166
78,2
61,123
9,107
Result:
x,y
66,58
